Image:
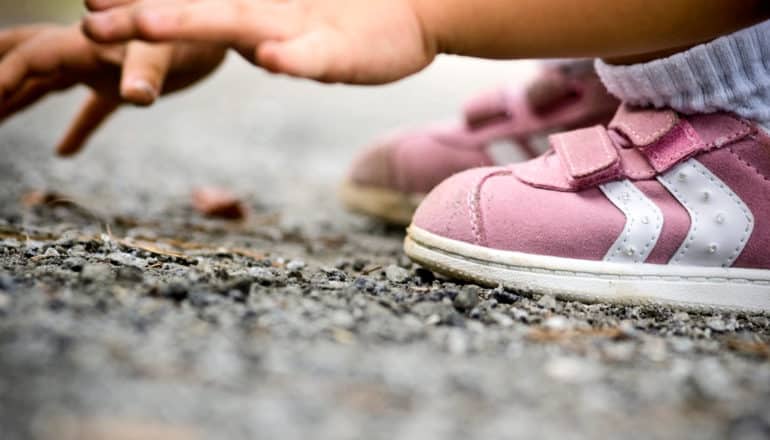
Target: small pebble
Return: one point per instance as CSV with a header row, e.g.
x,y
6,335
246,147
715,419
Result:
x,y
547,301
295,265
519,314
175,290
241,284
424,275
97,272
556,323
342,264
396,274
501,319
334,274
359,264
262,275
51,253
130,273
74,264
126,259
716,324
77,251
199,298
681,316
10,243
503,296
467,298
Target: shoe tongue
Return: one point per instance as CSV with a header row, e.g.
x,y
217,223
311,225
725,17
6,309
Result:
x,y
665,138
643,126
550,90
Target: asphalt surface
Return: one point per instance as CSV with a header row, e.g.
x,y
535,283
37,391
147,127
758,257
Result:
x,y
126,315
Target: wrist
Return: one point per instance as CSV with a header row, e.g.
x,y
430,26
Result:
x,y
428,22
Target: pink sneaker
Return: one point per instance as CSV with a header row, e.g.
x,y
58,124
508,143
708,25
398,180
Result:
x,y
659,208
390,178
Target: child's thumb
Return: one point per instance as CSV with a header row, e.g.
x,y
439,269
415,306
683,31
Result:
x,y
311,55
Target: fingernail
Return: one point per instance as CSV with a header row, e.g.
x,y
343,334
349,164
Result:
x,y
144,88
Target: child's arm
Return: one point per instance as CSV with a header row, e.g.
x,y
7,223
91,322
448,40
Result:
x,y
582,28
374,41
38,60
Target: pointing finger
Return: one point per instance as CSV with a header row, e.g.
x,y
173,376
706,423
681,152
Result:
x,y
93,113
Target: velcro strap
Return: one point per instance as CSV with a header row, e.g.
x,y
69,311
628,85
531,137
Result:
x,y
643,126
487,107
587,155
661,136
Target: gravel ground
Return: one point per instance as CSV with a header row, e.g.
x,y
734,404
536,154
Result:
x,y
125,315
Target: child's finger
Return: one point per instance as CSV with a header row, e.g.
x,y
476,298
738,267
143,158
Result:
x,y
28,58
29,93
54,53
216,21
113,26
100,5
93,113
13,69
179,20
144,71
11,38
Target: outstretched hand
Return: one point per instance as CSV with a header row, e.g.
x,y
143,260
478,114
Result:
x,y
40,59
352,41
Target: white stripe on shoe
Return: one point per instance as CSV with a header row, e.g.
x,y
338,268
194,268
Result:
x,y
644,223
720,222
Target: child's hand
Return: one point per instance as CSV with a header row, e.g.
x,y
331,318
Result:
x,y
353,41
37,60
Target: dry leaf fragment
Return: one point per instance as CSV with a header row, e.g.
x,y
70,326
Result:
x,y
218,202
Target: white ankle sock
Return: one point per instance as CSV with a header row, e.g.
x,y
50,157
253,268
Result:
x,y
731,73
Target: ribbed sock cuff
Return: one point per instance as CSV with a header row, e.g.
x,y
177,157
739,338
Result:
x,y
731,73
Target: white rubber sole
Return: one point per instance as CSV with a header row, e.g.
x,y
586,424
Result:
x,y
388,205
688,287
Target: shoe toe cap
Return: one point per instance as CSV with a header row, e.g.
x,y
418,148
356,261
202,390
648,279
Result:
x,y
415,162
490,207
372,167
449,209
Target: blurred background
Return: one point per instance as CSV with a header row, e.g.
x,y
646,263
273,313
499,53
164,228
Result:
x,y
46,10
